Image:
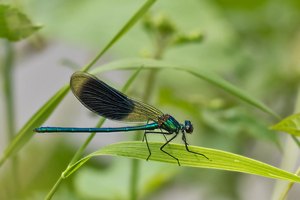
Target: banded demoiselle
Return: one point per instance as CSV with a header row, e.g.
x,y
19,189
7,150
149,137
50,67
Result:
x,y
110,103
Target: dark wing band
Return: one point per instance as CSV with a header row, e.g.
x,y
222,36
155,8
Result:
x,y
108,102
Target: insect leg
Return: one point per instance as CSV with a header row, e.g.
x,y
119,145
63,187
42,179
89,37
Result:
x,y
168,141
145,137
187,147
145,133
164,135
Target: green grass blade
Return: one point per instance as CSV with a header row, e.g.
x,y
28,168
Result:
x,y
290,125
218,159
208,76
26,132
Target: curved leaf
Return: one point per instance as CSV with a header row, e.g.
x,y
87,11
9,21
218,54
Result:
x,y
218,159
208,76
289,125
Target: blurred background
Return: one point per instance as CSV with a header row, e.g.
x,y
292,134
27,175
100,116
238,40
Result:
x,y
253,44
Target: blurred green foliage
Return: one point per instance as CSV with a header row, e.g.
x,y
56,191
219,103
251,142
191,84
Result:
x,y
253,44
14,24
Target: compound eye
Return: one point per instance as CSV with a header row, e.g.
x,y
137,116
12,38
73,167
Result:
x,y
188,126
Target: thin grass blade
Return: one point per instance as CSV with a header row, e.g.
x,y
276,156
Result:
x,y
138,15
205,75
26,132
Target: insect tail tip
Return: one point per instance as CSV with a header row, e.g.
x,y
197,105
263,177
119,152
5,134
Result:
x,y
37,130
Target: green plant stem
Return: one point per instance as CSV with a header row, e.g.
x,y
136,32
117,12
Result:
x,y
285,192
135,164
80,151
8,87
124,29
296,140
9,102
288,187
134,177
76,157
54,188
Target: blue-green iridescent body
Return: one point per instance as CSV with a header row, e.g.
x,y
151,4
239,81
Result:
x,y
151,126
110,103
170,124
167,123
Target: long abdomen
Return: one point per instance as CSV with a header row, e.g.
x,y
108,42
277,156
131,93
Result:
x,y
151,126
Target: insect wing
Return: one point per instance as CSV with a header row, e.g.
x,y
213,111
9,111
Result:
x,y
108,102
